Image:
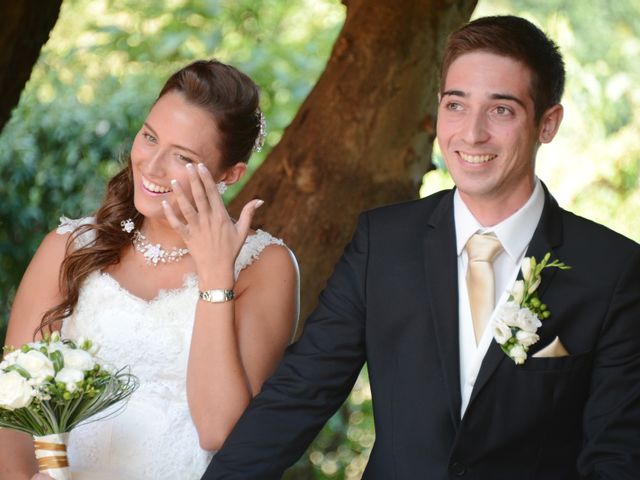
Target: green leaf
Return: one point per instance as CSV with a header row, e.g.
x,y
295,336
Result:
x,y
17,368
57,359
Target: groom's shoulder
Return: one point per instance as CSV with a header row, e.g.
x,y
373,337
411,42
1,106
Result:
x,y
585,230
412,210
604,248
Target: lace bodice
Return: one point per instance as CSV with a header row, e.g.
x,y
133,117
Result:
x,y
154,436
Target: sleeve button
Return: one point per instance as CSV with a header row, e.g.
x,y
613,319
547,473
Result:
x,y
458,468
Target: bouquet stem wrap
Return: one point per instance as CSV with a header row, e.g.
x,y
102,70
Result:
x,y
51,453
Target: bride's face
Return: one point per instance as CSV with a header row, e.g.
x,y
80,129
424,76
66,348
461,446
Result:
x,y
174,134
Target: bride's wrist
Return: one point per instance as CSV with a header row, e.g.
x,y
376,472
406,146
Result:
x,y
216,280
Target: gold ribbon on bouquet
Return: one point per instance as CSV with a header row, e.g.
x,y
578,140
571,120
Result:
x,y
51,453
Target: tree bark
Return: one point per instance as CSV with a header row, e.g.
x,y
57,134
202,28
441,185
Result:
x,y
24,29
362,138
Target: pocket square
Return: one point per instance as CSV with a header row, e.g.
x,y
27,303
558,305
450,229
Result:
x,y
554,350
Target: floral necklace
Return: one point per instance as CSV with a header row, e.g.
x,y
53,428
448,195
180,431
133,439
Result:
x,y
154,253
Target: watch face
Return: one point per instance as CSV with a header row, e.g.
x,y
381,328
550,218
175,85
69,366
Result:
x,y
217,296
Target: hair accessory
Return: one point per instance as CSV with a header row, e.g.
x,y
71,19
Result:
x,y
262,131
154,253
127,225
222,187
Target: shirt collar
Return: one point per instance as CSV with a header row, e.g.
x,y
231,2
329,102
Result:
x,y
514,232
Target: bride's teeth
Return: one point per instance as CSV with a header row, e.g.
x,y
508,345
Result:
x,y
153,187
476,158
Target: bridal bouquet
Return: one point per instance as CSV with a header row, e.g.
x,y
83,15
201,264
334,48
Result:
x,y
49,387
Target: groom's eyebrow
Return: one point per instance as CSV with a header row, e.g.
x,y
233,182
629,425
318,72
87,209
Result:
x,y
455,93
493,96
506,96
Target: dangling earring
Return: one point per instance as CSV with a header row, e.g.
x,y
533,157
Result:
x,y
222,187
127,225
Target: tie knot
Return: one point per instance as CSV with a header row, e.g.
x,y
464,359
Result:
x,y
483,247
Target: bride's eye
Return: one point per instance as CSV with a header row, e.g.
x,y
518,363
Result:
x,y
149,138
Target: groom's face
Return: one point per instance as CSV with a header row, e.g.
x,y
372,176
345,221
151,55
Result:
x,y
486,128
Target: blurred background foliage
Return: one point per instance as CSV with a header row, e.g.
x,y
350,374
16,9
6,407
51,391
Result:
x,y
106,60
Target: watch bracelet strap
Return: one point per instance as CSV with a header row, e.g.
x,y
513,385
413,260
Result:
x,y
217,295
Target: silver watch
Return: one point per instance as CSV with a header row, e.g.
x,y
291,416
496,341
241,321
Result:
x,y
218,295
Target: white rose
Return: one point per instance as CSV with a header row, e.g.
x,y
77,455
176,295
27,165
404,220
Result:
x,y
507,314
36,363
527,338
527,320
518,354
501,332
10,358
70,377
517,292
15,391
77,358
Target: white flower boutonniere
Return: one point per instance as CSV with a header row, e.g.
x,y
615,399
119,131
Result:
x,y
516,322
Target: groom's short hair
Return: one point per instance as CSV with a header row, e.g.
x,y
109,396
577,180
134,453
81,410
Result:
x,y
516,38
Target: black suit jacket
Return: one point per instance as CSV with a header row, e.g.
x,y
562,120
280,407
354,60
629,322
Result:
x,y
392,302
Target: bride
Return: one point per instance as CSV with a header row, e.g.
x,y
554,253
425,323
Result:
x,y
199,306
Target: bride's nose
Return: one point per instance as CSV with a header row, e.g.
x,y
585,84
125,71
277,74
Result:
x,y
157,163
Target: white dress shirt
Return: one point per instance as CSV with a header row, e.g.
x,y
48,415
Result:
x,y
515,234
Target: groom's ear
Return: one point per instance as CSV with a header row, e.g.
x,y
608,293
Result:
x,y
550,123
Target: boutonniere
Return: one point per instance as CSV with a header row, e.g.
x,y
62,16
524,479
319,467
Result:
x,y
516,322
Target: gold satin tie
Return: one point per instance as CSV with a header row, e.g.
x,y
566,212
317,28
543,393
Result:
x,y
481,250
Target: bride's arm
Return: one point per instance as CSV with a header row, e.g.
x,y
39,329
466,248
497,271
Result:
x,y
37,293
235,344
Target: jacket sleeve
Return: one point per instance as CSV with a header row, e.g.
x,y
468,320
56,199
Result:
x,y
312,381
611,448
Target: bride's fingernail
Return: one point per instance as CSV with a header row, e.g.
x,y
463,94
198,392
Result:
x,y
202,167
259,203
174,182
189,167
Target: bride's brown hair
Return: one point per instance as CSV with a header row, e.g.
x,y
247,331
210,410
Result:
x,y
232,99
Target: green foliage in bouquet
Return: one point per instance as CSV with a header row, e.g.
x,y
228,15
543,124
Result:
x,y
51,386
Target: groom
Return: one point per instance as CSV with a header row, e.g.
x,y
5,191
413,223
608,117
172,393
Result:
x,y
412,297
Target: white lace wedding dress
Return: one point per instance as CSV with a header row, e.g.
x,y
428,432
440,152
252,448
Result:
x,y
154,437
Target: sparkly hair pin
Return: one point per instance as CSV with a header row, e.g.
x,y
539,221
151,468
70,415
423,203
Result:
x,y
262,131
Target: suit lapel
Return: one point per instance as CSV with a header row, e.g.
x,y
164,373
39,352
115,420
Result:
x,y
441,271
547,237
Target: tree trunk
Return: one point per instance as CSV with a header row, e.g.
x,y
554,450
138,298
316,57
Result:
x,y
363,136
24,29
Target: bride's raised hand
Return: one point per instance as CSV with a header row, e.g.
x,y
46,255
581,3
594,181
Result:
x,y
212,237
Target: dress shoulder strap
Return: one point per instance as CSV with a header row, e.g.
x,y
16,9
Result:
x,y
69,225
253,246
